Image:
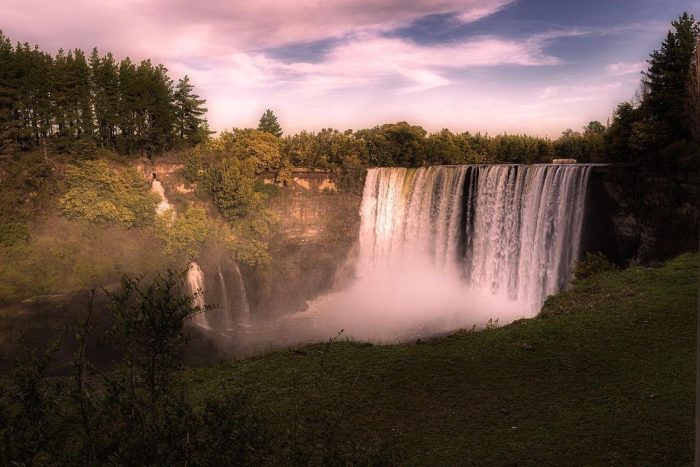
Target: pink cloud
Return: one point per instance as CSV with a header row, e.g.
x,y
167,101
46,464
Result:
x,y
622,68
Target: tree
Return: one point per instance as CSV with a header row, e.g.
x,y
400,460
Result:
x,y
259,146
594,128
667,77
189,112
269,124
694,93
231,184
81,102
9,123
619,133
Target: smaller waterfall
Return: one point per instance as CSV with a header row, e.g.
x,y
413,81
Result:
x,y
225,291
164,205
195,281
244,319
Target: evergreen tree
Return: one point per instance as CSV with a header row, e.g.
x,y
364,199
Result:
x,y
77,102
268,123
105,92
9,123
85,118
189,113
694,93
620,132
666,79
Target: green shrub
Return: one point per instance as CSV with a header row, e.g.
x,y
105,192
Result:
x,y
192,168
231,185
137,414
592,264
13,233
270,190
98,193
186,233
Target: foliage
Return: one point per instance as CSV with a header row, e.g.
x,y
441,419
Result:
x,y
137,413
588,146
13,233
77,103
666,81
268,123
693,107
98,193
664,114
186,233
192,168
190,124
592,264
231,185
259,146
61,256
28,187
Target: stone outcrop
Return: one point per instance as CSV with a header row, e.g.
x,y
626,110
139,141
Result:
x,y
636,218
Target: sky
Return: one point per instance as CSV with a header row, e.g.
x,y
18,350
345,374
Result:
x,y
517,66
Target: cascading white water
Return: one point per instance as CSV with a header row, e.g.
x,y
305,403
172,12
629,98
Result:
x,y
244,319
224,317
225,292
195,281
525,229
509,230
163,205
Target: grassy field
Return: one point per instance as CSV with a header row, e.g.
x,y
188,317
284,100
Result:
x,y
604,376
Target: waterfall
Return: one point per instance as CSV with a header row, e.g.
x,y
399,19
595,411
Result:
x,y
244,319
163,205
225,291
195,281
508,230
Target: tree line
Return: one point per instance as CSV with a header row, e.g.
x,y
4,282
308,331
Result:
x,y
659,129
76,103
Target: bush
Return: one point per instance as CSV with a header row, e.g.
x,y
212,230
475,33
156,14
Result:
x,y
593,264
186,233
98,193
231,185
13,233
192,169
137,414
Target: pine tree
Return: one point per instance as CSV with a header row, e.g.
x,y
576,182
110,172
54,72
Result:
x,y
666,79
105,91
76,101
82,95
160,110
268,123
694,93
189,112
9,124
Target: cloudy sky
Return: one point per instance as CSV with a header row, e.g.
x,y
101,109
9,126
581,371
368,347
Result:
x,y
535,66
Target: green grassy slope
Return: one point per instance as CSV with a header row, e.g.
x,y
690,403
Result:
x,y
604,376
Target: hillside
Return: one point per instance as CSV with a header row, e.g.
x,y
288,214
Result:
x,y
604,376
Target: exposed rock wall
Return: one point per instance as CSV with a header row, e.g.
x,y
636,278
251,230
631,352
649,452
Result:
x,y
313,240
636,218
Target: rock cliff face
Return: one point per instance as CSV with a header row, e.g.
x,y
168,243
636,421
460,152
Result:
x,y
313,242
635,218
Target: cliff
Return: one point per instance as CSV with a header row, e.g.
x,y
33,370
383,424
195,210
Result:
x,y
315,236
638,218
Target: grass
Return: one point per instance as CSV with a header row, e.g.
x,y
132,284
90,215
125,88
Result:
x,y
605,375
